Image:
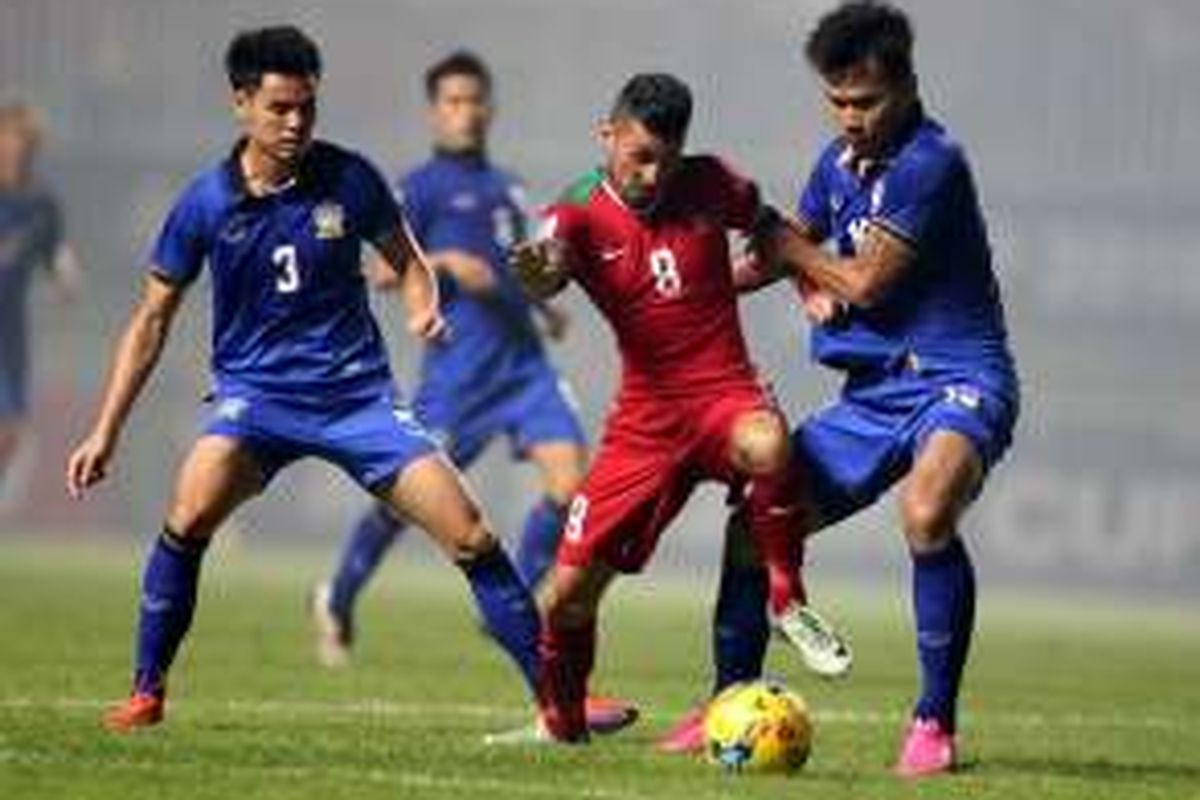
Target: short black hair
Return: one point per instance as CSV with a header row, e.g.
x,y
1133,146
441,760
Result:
x,y
661,102
460,62
860,31
283,49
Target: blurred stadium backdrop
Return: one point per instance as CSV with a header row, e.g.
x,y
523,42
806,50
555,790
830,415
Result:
x,y
1082,119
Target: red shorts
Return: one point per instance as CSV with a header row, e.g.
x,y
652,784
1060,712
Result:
x,y
653,453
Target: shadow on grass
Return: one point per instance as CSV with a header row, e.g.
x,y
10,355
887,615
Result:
x,y
1094,769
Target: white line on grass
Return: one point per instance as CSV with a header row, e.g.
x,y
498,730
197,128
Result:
x,y
389,708
404,779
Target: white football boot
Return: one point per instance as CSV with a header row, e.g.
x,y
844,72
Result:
x,y
331,634
823,650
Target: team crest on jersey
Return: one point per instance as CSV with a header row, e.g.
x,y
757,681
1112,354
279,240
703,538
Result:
x,y
329,220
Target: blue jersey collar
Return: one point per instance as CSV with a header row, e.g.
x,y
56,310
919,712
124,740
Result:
x,y
864,168
236,179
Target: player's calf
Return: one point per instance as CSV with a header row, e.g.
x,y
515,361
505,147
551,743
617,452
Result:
x,y
567,648
217,476
432,494
942,483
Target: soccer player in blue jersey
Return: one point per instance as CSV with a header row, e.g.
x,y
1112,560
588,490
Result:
x,y
492,376
30,240
908,308
299,364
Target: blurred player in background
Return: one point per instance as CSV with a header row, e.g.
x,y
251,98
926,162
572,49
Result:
x,y
491,376
300,366
30,239
646,237
909,309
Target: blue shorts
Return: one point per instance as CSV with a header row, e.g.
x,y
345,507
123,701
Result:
x,y
533,409
855,450
372,440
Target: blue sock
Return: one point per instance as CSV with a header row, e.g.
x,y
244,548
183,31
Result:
x,y
507,609
539,541
167,605
740,628
944,605
373,535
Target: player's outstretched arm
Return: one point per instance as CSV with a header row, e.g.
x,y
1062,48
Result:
x,y
416,282
133,361
861,280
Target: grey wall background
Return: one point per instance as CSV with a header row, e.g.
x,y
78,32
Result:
x,y
1082,117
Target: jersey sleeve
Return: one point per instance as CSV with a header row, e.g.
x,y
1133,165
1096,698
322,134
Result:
x,y
379,211
566,219
735,197
180,250
910,194
566,223
813,207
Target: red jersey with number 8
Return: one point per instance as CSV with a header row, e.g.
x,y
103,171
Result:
x,y
663,276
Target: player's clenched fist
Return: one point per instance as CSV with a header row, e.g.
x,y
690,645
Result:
x,y
88,464
541,266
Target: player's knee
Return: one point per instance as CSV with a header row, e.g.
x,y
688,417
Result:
x,y
929,519
563,479
761,444
192,523
561,489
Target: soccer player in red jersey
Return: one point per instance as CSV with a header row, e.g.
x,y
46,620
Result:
x,y
646,237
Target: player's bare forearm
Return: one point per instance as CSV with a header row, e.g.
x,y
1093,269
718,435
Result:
x,y
136,355
415,281
470,272
861,280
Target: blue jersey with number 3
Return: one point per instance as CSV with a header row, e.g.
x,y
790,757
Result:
x,y
946,308
289,301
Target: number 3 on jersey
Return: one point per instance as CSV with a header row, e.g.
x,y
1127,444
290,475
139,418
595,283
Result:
x,y
287,281
666,272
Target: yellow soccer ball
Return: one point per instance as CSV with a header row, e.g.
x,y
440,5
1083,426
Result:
x,y
759,726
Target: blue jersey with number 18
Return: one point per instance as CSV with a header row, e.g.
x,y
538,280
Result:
x,y
947,308
290,312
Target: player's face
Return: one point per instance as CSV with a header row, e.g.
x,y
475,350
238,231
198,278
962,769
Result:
x,y
278,117
18,144
461,113
639,163
867,107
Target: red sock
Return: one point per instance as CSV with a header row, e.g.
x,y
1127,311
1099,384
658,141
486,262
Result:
x,y
777,525
567,656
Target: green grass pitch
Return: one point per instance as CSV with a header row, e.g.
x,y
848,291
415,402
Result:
x,y
1063,701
